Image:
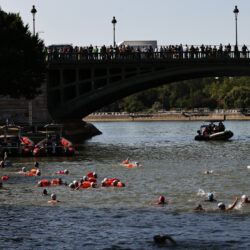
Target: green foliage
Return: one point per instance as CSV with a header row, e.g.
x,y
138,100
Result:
x,y
22,64
238,97
227,92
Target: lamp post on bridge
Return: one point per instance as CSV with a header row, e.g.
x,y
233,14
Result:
x,y
114,23
33,12
236,12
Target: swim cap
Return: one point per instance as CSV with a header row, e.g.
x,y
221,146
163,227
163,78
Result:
x,y
161,198
115,183
92,184
244,197
221,205
45,191
136,163
39,184
24,169
72,185
38,172
53,197
105,179
74,182
210,196
85,178
95,174
103,183
66,171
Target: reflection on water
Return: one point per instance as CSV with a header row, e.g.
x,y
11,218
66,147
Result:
x,y
104,218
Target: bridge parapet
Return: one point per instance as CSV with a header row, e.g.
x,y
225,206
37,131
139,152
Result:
x,y
77,57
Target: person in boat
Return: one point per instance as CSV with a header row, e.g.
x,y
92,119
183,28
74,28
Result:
x,y
199,208
53,199
158,239
221,127
215,129
210,198
161,201
206,131
222,206
244,199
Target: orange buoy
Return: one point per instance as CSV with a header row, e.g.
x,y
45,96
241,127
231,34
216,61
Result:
x,y
33,171
55,182
130,165
29,174
4,178
45,183
120,184
90,174
91,179
126,162
86,184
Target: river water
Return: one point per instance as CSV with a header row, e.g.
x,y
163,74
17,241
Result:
x,y
122,218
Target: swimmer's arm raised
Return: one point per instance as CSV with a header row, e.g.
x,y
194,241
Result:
x,y
232,205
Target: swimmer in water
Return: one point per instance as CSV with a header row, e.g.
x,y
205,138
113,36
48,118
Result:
x,y
199,208
211,198
72,186
244,199
222,206
45,192
23,171
38,173
208,172
158,239
2,165
36,164
53,199
161,201
1,184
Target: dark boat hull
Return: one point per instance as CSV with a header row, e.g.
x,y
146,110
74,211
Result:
x,y
225,135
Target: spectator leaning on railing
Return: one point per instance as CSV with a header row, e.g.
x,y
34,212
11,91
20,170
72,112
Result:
x,y
146,52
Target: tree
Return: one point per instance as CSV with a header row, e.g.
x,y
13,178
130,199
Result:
x,y
22,61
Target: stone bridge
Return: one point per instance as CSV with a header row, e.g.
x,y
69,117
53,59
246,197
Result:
x,y
78,85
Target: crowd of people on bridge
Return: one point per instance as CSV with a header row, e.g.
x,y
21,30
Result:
x,y
90,52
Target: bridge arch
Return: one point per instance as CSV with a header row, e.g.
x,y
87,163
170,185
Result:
x,y
78,89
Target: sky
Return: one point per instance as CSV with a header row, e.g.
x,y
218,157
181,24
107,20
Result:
x,y
84,22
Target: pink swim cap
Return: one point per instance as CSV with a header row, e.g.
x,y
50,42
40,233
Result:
x,y
161,198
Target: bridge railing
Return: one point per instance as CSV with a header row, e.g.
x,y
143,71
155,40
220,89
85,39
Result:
x,y
56,57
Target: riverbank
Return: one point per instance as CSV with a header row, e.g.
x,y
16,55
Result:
x,y
230,115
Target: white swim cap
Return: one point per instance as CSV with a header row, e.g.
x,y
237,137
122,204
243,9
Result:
x,y
105,179
24,169
75,181
66,171
95,174
244,197
72,185
92,184
221,204
115,182
38,172
85,178
53,197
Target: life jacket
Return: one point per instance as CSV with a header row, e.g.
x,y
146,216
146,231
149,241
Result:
x,y
90,174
